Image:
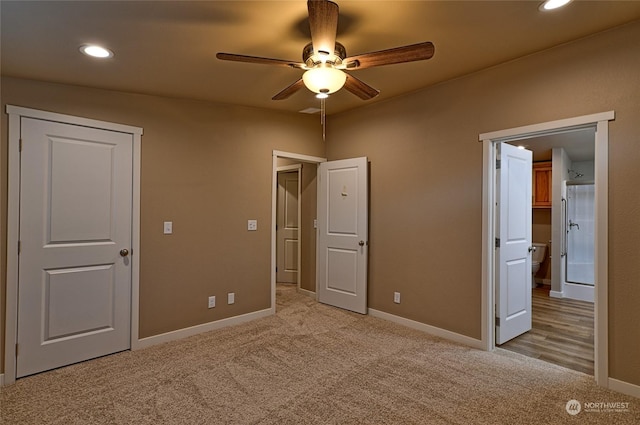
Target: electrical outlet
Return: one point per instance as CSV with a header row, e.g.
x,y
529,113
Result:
x,y
252,225
212,301
396,297
231,298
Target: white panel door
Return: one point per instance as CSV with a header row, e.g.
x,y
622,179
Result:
x,y
343,234
287,228
513,280
74,286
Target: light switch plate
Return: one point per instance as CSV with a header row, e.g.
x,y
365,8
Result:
x,y
231,298
252,225
168,227
212,301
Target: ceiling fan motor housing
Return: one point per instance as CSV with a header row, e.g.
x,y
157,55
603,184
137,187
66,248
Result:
x,y
311,59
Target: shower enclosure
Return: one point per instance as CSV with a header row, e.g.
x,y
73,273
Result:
x,y
579,233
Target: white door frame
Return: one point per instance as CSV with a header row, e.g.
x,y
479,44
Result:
x,y
274,204
293,168
601,123
13,222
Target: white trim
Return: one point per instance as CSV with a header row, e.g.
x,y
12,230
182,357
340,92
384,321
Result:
x,y
308,293
431,330
274,192
13,229
292,167
13,221
624,387
71,119
576,291
135,241
299,157
487,328
551,127
601,242
600,121
205,327
556,294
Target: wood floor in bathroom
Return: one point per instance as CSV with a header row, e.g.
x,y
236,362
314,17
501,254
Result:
x,y
562,332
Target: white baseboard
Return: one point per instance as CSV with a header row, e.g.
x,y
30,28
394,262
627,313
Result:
x,y
307,293
205,327
579,292
624,387
556,294
432,330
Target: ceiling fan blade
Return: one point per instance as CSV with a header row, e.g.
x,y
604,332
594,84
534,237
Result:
x,y
284,94
411,53
360,88
255,59
323,23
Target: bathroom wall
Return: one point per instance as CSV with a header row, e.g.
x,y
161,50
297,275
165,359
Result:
x,y
583,167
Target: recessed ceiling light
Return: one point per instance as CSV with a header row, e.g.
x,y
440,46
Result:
x,y
553,4
96,51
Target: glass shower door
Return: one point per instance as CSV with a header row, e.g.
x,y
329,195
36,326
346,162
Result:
x,y
580,233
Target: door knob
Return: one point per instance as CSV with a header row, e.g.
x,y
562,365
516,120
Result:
x,y
361,243
532,249
124,252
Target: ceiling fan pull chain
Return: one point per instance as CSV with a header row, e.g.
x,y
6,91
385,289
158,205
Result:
x,y
323,119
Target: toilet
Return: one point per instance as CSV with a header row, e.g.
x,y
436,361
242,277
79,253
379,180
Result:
x,y
537,257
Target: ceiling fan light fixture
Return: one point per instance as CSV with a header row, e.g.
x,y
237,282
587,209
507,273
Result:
x,y
553,4
324,79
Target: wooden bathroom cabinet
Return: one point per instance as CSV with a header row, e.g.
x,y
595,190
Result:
x,y
541,190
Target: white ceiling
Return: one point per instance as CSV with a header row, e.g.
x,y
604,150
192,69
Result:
x,y
168,48
578,144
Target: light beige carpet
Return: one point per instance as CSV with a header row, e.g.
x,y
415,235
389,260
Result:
x,y
311,364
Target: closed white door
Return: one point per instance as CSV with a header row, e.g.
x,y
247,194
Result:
x,y
343,234
74,285
287,228
513,279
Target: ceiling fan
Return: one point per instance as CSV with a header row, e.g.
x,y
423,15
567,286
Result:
x,y
325,60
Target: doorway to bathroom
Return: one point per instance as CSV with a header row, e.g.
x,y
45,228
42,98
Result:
x,y
562,311
598,124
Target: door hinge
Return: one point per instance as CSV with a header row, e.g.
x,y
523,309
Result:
x,y
497,242
20,145
497,164
497,321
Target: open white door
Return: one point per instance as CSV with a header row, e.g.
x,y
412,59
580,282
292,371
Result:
x,y
513,252
343,234
74,284
287,227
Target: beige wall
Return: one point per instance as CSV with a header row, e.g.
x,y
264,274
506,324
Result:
x,y
205,167
426,179
426,185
